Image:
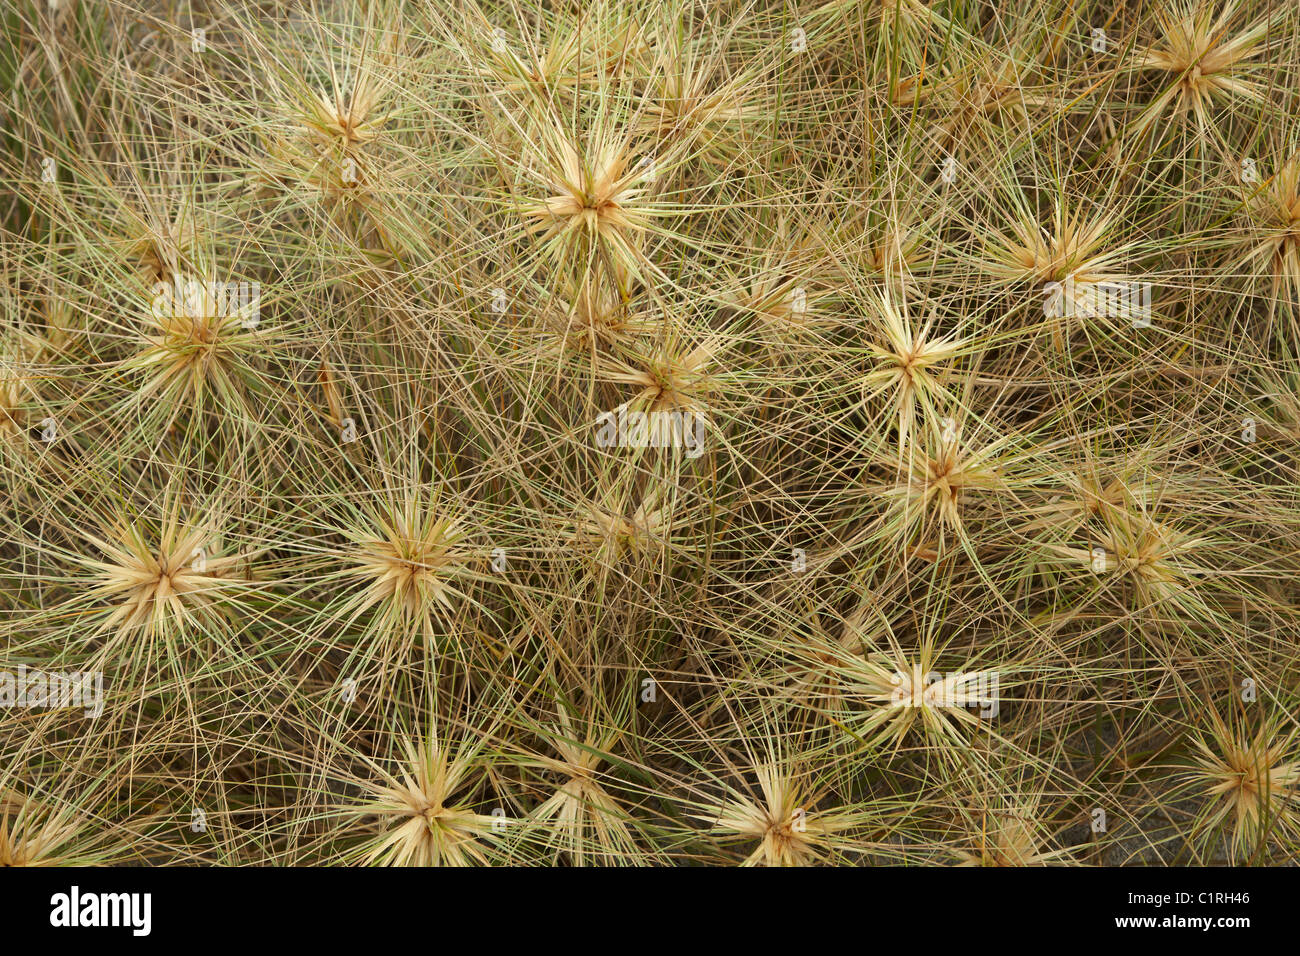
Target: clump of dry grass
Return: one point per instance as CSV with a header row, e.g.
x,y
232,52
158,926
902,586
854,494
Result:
x,y
960,550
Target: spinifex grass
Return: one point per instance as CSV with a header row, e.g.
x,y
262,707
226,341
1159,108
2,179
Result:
x,y
956,557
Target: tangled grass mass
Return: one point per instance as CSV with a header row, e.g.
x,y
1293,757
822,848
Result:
x,y
649,432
